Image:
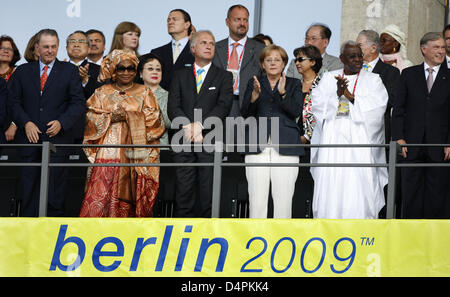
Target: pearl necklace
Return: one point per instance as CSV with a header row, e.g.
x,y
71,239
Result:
x,y
122,91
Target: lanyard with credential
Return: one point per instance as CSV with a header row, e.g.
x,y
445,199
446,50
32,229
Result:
x,y
356,82
240,57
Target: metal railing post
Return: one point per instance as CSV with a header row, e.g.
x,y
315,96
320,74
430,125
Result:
x,y
43,195
217,180
392,171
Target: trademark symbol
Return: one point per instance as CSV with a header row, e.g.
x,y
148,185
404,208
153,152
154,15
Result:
x,y
367,241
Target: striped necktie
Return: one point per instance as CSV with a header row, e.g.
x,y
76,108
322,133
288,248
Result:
x,y
366,67
199,79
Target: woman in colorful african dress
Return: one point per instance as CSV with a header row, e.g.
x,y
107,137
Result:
x,y
121,112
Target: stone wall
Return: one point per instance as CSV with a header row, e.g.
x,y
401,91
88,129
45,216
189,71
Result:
x,y
414,17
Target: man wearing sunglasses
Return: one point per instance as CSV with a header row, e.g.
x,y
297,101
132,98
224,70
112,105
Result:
x,y
348,106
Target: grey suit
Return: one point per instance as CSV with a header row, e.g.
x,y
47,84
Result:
x,y
249,67
329,63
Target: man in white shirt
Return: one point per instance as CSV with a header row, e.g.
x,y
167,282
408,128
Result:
x,y
348,106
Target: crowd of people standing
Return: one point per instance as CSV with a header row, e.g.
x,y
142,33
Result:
x,y
370,95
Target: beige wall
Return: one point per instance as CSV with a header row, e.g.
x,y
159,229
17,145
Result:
x,y
414,17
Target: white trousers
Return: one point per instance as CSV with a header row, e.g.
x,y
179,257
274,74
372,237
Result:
x,y
283,184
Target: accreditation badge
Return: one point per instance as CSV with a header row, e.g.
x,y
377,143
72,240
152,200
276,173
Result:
x,y
343,107
235,75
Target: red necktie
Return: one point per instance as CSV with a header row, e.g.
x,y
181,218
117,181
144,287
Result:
x,y
44,77
234,62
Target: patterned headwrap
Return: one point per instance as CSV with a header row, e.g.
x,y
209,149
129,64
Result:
x,y
110,62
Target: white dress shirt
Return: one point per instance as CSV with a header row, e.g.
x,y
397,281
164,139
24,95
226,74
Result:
x,y
206,68
372,64
182,43
239,50
435,72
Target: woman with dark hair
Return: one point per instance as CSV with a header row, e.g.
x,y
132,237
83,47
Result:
x,y
9,56
121,112
266,39
150,71
126,36
393,47
308,61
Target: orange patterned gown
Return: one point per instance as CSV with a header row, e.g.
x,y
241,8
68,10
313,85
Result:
x,y
122,191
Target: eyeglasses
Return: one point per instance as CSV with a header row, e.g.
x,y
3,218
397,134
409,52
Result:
x,y
123,69
8,49
270,61
312,38
301,59
77,41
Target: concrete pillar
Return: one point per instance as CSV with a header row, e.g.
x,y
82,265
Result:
x,y
413,17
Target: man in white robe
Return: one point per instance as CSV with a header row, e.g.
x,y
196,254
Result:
x,y
349,106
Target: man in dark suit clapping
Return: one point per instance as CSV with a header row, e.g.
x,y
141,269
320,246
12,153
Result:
x,y
77,49
421,115
197,93
46,100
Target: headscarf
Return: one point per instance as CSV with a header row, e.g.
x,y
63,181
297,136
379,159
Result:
x,y
400,37
110,62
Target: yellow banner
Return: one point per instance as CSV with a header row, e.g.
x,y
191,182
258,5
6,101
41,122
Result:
x,y
223,247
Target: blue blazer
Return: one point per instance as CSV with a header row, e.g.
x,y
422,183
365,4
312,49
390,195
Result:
x,y
271,105
62,99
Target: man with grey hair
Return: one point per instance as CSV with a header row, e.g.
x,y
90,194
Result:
x,y
421,115
197,93
318,35
349,105
369,41
77,46
46,101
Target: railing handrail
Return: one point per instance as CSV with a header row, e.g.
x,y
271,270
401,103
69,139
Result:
x,y
218,163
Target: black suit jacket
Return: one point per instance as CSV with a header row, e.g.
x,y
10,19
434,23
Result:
x,y
213,100
88,89
93,83
3,113
271,105
421,117
185,59
62,99
390,76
